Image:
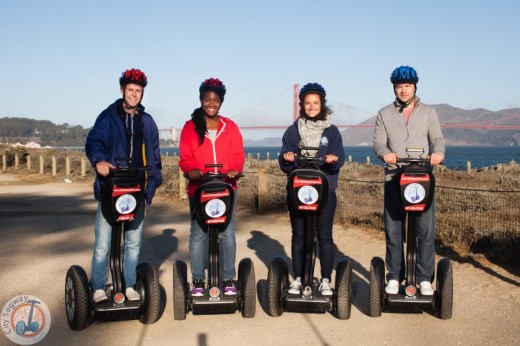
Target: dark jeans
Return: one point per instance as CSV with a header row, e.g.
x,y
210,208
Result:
x,y
324,224
425,233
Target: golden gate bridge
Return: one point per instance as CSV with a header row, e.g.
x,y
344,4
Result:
x,y
258,117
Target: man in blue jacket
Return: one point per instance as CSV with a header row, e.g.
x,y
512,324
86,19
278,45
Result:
x,y
123,130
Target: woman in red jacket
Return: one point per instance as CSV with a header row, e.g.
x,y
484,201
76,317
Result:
x,y
209,138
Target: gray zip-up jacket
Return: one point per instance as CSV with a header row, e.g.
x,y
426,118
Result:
x,y
393,135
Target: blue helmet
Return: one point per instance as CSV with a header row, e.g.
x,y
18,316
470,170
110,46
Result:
x,y
314,88
404,74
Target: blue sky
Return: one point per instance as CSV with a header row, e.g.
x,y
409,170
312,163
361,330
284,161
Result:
x,y
61,60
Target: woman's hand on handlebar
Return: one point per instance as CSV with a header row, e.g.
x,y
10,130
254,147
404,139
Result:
x,y
231,173
289,156
330,158
436,158
103,168
195,174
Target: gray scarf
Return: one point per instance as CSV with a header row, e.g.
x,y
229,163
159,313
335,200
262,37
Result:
x,y
310,134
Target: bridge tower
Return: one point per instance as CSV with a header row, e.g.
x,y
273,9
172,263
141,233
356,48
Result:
x,y
296,101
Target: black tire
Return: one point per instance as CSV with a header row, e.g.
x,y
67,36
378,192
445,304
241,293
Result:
x,y
180,291
445,288
77,297
277,281
148,285
247,287
377,281
343,291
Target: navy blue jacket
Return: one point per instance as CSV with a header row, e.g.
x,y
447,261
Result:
x,y
331,143
107,140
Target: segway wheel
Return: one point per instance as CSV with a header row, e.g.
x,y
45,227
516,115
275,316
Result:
x,y
246,285
343,292
277,281
445,288
180,290
148,285
377,281
77,295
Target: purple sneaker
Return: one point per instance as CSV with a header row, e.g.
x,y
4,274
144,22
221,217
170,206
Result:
x,y
229,288
198,288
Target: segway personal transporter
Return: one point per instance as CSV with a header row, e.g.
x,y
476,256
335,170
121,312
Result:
x,y
121,197
417,189
308,191
214,203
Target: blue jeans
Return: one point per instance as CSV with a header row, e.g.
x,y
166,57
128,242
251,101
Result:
x,y
394,227
199,247
133,234
324,224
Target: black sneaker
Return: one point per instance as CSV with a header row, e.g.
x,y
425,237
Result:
x,y
229,288
198,288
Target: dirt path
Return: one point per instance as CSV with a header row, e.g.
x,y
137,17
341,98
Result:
x,y
45,228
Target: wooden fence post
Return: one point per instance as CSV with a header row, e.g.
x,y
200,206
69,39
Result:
x,y
182,184
4,161
16,161
262,190
41,164
67,166
468,167
28,163
83,167
53,166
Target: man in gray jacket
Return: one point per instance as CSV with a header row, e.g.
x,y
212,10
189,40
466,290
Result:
x,y
407,123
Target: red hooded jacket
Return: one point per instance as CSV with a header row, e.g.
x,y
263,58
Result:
x,y
227,149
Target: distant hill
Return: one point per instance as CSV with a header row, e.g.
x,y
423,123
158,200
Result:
x,y
461,137
46,133
43,132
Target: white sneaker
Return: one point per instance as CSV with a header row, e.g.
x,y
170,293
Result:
x,y
426,288
392,287
99,296
325,289
296,286
132,294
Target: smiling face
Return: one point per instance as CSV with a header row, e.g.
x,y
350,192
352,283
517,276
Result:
x,y
211,103
404,91
312,105
132,94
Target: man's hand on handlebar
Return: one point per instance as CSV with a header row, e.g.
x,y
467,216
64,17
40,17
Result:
x,y
390,158
103,168
436,158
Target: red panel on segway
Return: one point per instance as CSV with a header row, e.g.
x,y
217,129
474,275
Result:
x,y
214,204
415,189
308,189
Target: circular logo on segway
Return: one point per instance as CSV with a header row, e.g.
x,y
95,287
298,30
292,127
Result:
x,y
308,194
26,320
125,204
414,193
215,208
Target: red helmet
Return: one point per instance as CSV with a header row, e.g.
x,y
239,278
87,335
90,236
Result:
x,y
133,76
213,84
